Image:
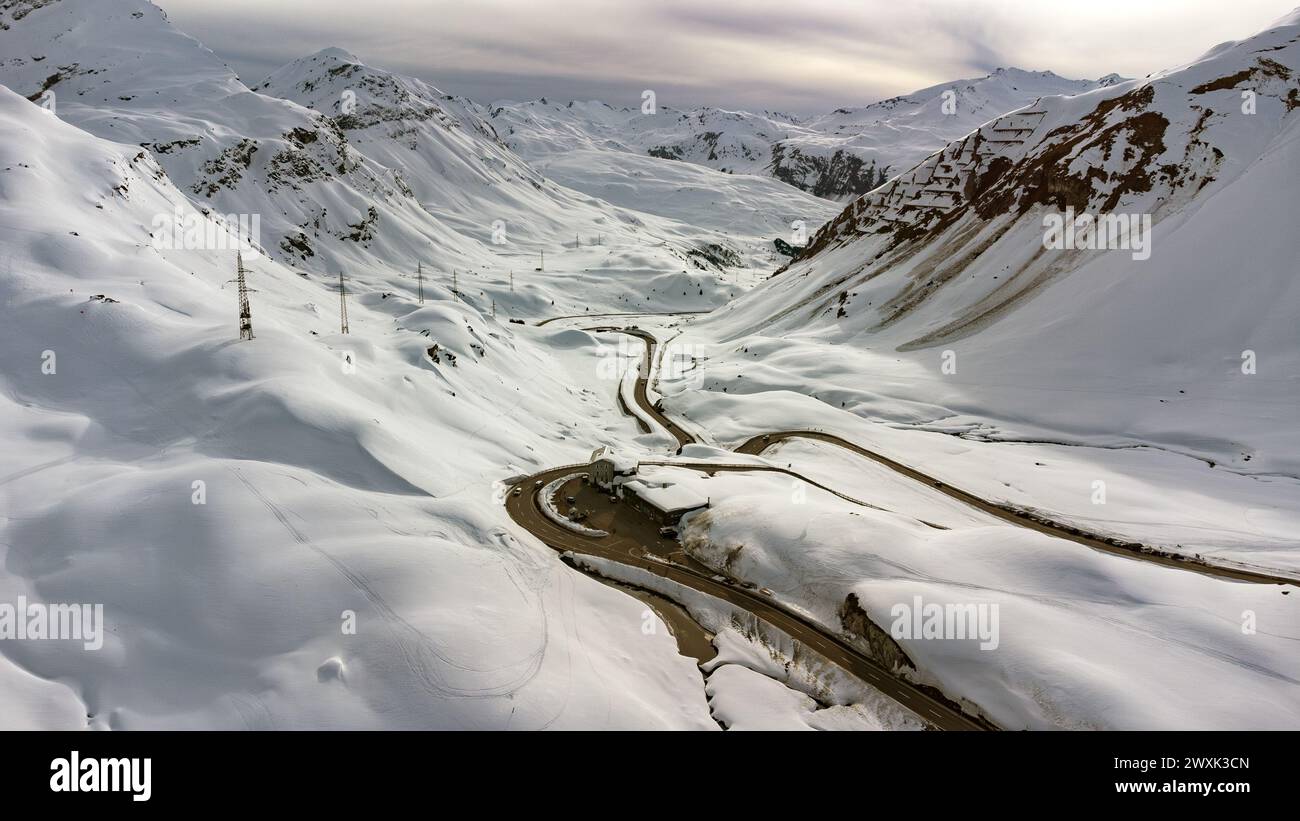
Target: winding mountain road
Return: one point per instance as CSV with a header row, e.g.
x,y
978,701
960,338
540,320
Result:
x,y
756,445
525,507
526,510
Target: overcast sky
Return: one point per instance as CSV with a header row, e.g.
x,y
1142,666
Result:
x,y
801,56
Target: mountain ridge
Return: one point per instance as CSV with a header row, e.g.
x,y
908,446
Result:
x,y
837,155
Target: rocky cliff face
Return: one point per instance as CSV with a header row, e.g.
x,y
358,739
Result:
x,y
834,177
880,644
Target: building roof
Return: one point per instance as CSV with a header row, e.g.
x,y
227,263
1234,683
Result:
x,y
622,463
666,497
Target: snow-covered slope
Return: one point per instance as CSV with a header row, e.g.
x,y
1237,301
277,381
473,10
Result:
x,y
120,70
941,288
457,166
1072,639
834,156
231,503
731,141
447,157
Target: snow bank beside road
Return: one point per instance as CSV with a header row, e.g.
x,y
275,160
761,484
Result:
x,y
1086,639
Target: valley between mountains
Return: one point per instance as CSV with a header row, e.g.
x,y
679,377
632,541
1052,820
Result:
x,y
679,420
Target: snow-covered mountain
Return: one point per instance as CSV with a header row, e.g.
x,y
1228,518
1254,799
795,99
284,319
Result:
x,y
346,166
443,156
1183,336
121,71
835,156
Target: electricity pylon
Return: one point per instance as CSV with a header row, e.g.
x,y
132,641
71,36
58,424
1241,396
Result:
x,y
419,277
245,310
343,305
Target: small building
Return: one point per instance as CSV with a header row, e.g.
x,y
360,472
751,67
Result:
x,y
609,468
663,502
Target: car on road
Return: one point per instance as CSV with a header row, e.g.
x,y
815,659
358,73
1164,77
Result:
x,y
518,490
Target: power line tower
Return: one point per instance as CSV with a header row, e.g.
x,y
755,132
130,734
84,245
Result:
x,y
512,280
343,305
541,266
419,278
245,310
455,291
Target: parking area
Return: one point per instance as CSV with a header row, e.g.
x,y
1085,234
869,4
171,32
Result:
x,y
620,519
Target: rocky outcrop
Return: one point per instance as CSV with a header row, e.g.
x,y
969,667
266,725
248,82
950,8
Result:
x,y
879,643
835,176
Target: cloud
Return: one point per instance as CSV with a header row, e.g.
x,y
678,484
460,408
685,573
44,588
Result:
x,y
806,56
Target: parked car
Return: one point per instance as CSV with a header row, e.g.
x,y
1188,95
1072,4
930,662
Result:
x,y
668,532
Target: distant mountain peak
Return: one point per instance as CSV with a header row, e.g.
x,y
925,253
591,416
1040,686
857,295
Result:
x,y
1023,71
334,53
